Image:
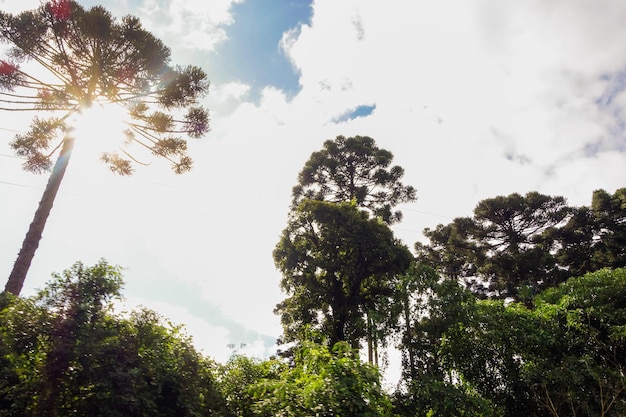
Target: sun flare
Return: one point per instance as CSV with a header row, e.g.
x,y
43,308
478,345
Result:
x,y
97,129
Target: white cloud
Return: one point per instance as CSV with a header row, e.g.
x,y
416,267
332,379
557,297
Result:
x,y
12,6
475,99
233,90
209,339
196,24
223,99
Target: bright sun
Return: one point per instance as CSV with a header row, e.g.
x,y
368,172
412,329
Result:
x,y
98,129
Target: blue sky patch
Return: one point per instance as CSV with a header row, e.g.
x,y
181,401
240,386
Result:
x,y
616,84
252,54
360,111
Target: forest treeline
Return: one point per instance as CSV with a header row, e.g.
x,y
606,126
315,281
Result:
x,y
65,352
516,310
519,309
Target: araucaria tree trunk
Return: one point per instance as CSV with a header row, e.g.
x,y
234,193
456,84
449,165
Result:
x,y
84,57
33,236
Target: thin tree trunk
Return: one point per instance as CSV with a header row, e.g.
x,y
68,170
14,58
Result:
x,y
369,340
376,350
409,334
33,236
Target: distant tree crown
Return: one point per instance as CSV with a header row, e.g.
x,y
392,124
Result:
x,y
354,169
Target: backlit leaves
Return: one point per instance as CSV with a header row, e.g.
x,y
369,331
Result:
x,y
61,9
170,146
181,85
10,76
88,56
117,164
35,145
196,122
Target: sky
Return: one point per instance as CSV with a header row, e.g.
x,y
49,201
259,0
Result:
x,y
474,98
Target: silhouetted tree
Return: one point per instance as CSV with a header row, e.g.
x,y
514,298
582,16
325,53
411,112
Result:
x,y
337,263
505,249
354,168
64,59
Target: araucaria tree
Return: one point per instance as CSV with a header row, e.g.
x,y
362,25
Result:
x,y
354,169
339,259
506,249
64,59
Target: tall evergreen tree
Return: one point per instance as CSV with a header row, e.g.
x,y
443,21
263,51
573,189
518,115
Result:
x,y
505,250
64,59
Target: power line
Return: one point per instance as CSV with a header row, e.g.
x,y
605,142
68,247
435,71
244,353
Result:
x,y
82,195
10,130
19,185
406,230
428,213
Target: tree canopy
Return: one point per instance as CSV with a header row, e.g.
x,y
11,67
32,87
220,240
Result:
x,y
504,250
354,168
337,263
64,59
516,246
595,235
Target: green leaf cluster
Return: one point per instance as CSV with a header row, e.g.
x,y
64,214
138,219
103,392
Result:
x,y
324,383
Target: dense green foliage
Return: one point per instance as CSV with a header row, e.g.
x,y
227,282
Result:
x,y
564,356
323,383
64,352
337,264
584,368
237,380
429,386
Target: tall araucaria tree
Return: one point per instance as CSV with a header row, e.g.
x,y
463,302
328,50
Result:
x,y
62,60
354,169
505,250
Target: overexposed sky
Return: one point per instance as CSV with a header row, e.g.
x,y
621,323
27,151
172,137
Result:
x,y
474,98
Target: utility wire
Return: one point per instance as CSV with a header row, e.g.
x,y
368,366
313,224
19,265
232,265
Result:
x,y
10,130
19,185
428,213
